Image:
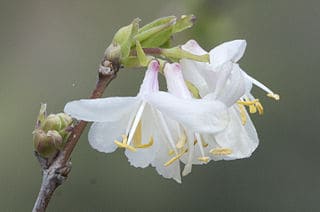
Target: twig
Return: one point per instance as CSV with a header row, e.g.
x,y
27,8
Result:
x,y
55,173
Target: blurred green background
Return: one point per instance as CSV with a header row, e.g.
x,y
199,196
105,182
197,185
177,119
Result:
x,y
50,52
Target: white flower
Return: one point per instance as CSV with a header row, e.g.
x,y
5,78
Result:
x,y
227,82
148,124
193,139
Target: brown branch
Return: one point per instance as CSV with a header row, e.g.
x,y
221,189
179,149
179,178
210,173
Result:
x,y
55,172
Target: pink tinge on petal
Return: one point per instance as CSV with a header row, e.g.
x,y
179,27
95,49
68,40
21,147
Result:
x,y
150,82
175,81
193,47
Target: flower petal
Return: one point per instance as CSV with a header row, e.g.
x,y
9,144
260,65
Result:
x,y
228,51
101,110
241,139
102,135
197,115
193,47
194,72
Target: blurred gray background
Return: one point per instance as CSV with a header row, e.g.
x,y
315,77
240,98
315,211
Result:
x,y
50,52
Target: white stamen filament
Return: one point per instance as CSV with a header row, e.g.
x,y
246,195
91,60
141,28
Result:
x,y
136,122
198,138
167,132
260,85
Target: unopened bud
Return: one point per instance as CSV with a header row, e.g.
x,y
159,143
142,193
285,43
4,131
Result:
x,y
52,122
45,144
179,53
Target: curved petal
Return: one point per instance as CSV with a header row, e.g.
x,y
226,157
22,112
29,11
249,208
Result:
x,y
228,51
193,47
101,110
102,135
234,88
171,171
196,115
241,139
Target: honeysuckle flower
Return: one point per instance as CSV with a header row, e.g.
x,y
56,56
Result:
x,y
239,139
148,129
193,138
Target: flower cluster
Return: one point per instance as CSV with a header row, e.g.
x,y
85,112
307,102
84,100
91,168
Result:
x,y
201,117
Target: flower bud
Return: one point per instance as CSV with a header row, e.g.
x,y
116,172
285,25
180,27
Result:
x,y
45,143
52,122
179,53
51,132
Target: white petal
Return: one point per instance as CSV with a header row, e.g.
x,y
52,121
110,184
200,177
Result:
x,y
193,47
197,115
171,171
101,110
228,51
241,139
102,134
235,87
194,73
143,156
175,81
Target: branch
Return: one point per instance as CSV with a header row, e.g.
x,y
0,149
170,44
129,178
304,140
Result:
x,y
55,172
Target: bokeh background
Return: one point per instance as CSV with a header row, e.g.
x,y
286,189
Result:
x,y
50,50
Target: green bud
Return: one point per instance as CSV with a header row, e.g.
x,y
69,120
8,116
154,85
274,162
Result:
x,y
193,90
157,22
122,41
46,143
141,55
65,119
179,53
52,122
185,22
133,61
156,34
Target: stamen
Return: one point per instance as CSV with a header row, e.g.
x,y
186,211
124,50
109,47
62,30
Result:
x,y
151,141
253,105
204,159
167,132
259,107
221,151
274,96
171,152
265,88
136,122
182,141
242,114
124,144
175,157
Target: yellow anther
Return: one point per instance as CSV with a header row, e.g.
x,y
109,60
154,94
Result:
x,y
204,144
248,102
175,157
274,96
182,141
204,159
252,109
259,107
171,152
146,145
124,145
221,151
243,114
